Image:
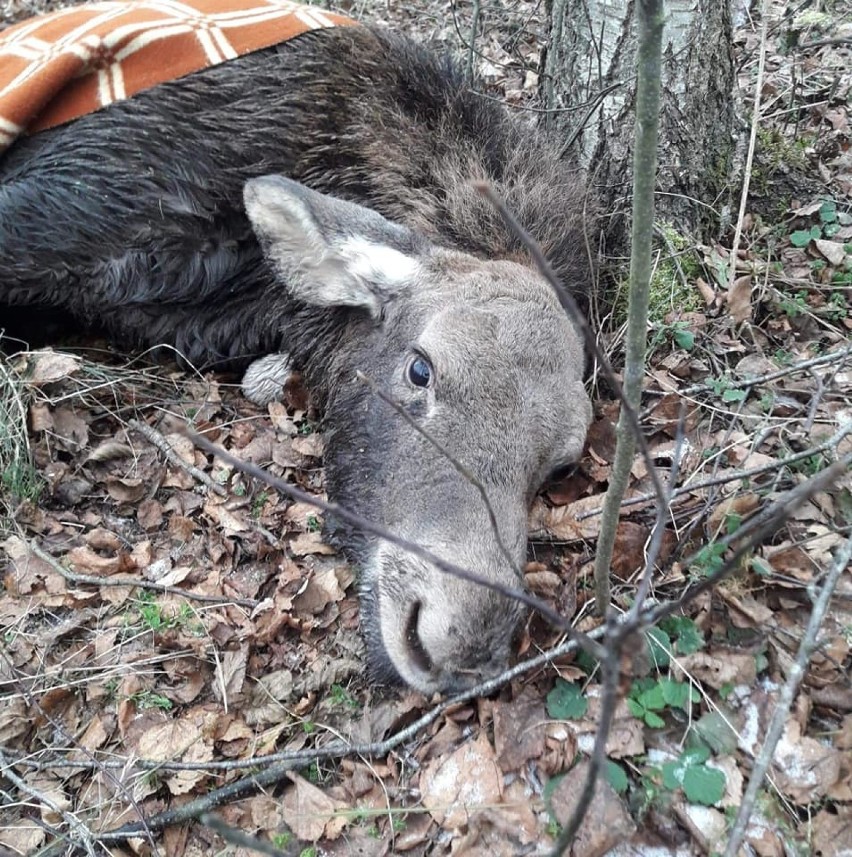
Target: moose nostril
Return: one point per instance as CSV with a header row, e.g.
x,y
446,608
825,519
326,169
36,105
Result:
x,y
412,638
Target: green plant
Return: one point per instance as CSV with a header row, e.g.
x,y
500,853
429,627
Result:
x,y
312,523
794,306
21,479
152,617
649,697
566,701
149,699
150,613
827,227
809,466
709,559
686,636
837,309
258,504
616,776
281,840
725,387
700,783
341,696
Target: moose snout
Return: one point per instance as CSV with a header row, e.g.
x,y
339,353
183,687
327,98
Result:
x,y
437,632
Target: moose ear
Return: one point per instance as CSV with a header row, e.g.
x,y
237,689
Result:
x,y
330,252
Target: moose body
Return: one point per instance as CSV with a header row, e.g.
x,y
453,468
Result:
x,y
310,206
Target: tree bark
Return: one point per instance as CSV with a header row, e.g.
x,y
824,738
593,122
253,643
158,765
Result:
x,y
589,82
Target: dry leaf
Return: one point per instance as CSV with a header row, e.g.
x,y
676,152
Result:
x,y
48,366
607,823
456,786
739,299
310,813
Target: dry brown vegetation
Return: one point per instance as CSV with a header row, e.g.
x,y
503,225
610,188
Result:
x,y
174,630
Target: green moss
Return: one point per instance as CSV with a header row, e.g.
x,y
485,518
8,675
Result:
x,y
671,282
774,151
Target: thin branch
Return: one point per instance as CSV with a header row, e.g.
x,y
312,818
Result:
x,y
84,835
839,356
755,123
474,32
735,475
663,512
650,22
788,693
93,580
157,439
750,534
334,750
610,674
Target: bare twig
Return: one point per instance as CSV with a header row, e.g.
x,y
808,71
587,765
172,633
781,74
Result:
x,y
609,674
649,17
751,533
334,750
755,123
93,580
735,475
84,835
788,693
474,33
839,356
249,843
663,512
157,439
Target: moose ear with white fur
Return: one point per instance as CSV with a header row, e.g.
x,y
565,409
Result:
x,y
330,252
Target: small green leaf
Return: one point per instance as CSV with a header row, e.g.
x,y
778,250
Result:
x,y
688,638
760,566
685,339
659,645
566,701
800,238
828,211
696,755
636,708
703,785
653,699
677,694
547,793
831,229
733,395
673,774
616,776
654,720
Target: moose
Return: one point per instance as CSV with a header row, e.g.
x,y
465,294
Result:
x,y
310,206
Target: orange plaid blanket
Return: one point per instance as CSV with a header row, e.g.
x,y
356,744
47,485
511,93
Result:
x,y
59,66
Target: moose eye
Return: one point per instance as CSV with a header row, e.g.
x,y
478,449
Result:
x,y
419,372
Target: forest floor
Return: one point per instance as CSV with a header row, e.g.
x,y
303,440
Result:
x,y
169,626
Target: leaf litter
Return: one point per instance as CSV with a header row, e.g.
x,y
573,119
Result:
x,y
172,620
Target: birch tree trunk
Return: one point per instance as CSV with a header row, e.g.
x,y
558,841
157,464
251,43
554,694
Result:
x,y
589,81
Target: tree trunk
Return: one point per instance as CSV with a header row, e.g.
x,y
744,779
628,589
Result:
x,y
589,80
